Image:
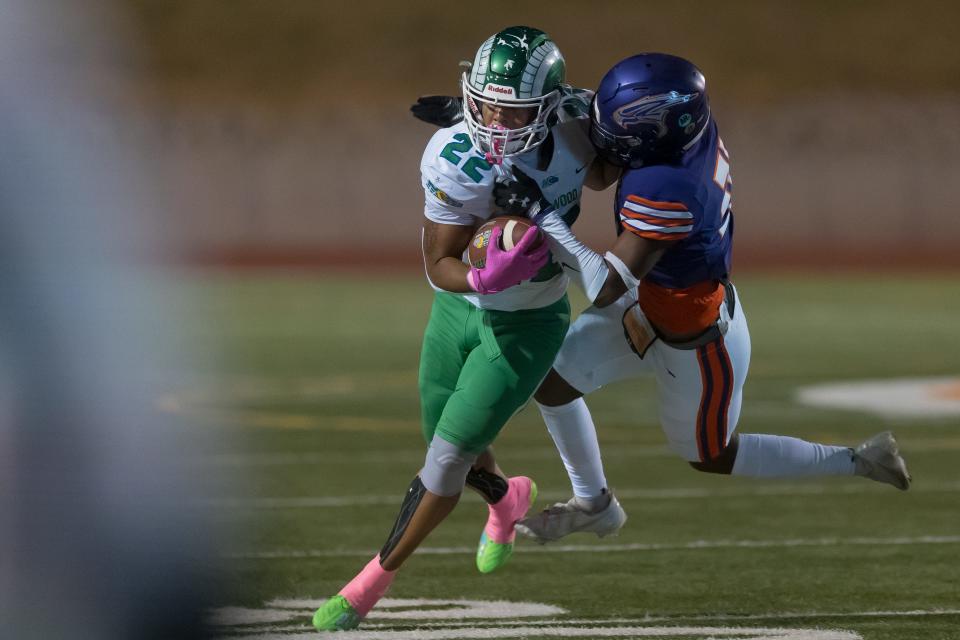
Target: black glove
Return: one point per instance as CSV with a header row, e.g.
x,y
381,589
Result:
x,y
516,196
442,111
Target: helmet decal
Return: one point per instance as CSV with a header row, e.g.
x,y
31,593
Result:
x,y
507,54
545,61
479,69
650,110
519,42
520,68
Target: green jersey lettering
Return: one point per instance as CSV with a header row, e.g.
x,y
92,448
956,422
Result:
x,y
474,164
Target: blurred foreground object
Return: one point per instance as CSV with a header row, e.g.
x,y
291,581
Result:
x,y
96,539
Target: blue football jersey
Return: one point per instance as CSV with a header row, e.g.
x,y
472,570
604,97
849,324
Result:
x,y
687,202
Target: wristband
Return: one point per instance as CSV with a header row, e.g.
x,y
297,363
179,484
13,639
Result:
x,y
623,270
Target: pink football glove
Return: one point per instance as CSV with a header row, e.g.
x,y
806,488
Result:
x,y
504,269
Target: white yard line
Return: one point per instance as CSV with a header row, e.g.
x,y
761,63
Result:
x,y
613,548
792,615
678,618
708,633
440,619
452,610
675,493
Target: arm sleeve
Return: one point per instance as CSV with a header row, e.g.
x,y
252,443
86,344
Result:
x,y
585,266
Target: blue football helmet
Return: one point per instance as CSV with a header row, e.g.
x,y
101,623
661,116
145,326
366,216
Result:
x,y
649,109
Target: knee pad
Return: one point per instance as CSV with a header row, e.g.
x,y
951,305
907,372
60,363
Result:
x,y
445,468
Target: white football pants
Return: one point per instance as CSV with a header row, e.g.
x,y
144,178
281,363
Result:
x,y
700,390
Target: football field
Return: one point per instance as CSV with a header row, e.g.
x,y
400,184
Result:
x,y
313,411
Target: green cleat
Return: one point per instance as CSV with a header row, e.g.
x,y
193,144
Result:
x,y
492,555
336,614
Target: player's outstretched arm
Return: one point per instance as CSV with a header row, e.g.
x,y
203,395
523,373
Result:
x,y
603,278
630,258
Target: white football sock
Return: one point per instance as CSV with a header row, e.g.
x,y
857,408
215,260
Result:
x,y
573,432
767,456
593,505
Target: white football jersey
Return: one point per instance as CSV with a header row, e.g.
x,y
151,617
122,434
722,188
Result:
x,y
458,189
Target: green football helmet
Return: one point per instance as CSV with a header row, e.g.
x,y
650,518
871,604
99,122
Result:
x,y
516,67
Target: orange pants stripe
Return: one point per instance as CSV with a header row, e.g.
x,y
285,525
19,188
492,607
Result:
x,y
716,375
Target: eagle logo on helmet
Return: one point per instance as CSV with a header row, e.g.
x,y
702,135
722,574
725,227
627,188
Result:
x,y
651,110
518,42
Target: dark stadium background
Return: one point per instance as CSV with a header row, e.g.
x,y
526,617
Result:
x,y
213,303
281,131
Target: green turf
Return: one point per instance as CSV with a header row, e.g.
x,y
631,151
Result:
x,y
325,368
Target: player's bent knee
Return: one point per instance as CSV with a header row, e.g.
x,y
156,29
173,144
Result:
x,y
444,474
723,463
445,468
554,391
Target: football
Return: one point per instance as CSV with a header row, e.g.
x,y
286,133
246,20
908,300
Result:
x,y
513,228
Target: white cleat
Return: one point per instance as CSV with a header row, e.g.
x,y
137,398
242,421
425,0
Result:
x,y
879,459
565,518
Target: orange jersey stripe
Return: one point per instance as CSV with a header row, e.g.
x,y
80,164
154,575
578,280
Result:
x,y
653,235
663,222
654,204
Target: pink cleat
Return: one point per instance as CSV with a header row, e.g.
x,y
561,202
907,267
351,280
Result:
x,y
496,541
345,610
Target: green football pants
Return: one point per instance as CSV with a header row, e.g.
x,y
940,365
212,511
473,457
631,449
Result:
x,y
478,367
